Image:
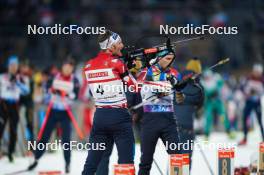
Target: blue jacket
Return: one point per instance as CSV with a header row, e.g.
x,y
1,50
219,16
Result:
x,y
194,97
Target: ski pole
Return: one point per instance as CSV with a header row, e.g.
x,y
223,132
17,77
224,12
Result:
x,y
45,120
156,164
206,160
74,122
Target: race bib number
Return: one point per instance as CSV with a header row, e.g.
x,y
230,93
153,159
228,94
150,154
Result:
x,y
226,161
108,92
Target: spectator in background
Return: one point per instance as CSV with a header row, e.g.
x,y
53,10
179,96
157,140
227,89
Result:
x,y
12,86
253,90
27,100
186,110
213,84
63,88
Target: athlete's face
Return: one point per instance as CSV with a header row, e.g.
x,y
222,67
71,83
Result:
x,y
24,69
13,68
67,69
257,74
164,62
116,48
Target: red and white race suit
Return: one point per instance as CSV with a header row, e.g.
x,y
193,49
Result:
x,y
106,76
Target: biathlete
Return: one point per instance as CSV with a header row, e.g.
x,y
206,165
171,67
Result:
x,y
12,87
63,89
158,118
112,122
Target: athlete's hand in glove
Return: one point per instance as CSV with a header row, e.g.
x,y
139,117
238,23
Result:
x,y
177,84
162,94
179,97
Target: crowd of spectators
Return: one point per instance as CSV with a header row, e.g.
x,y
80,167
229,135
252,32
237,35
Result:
x,y
132,19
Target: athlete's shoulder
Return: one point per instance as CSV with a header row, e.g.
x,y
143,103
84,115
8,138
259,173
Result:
x,y
117,61
117,64
94,60
89,64
173,71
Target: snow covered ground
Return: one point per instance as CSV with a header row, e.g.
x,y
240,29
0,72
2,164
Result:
x,y
55,161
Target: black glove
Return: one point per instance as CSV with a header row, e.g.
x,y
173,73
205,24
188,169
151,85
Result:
x,y
176,84
180,86
126,57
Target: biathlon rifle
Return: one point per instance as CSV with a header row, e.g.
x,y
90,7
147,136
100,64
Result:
x,y
131,53
177,85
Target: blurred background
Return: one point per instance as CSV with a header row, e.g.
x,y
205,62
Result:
x,y
41,56
132,19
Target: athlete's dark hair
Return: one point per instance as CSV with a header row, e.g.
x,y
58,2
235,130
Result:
x,y
103,37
